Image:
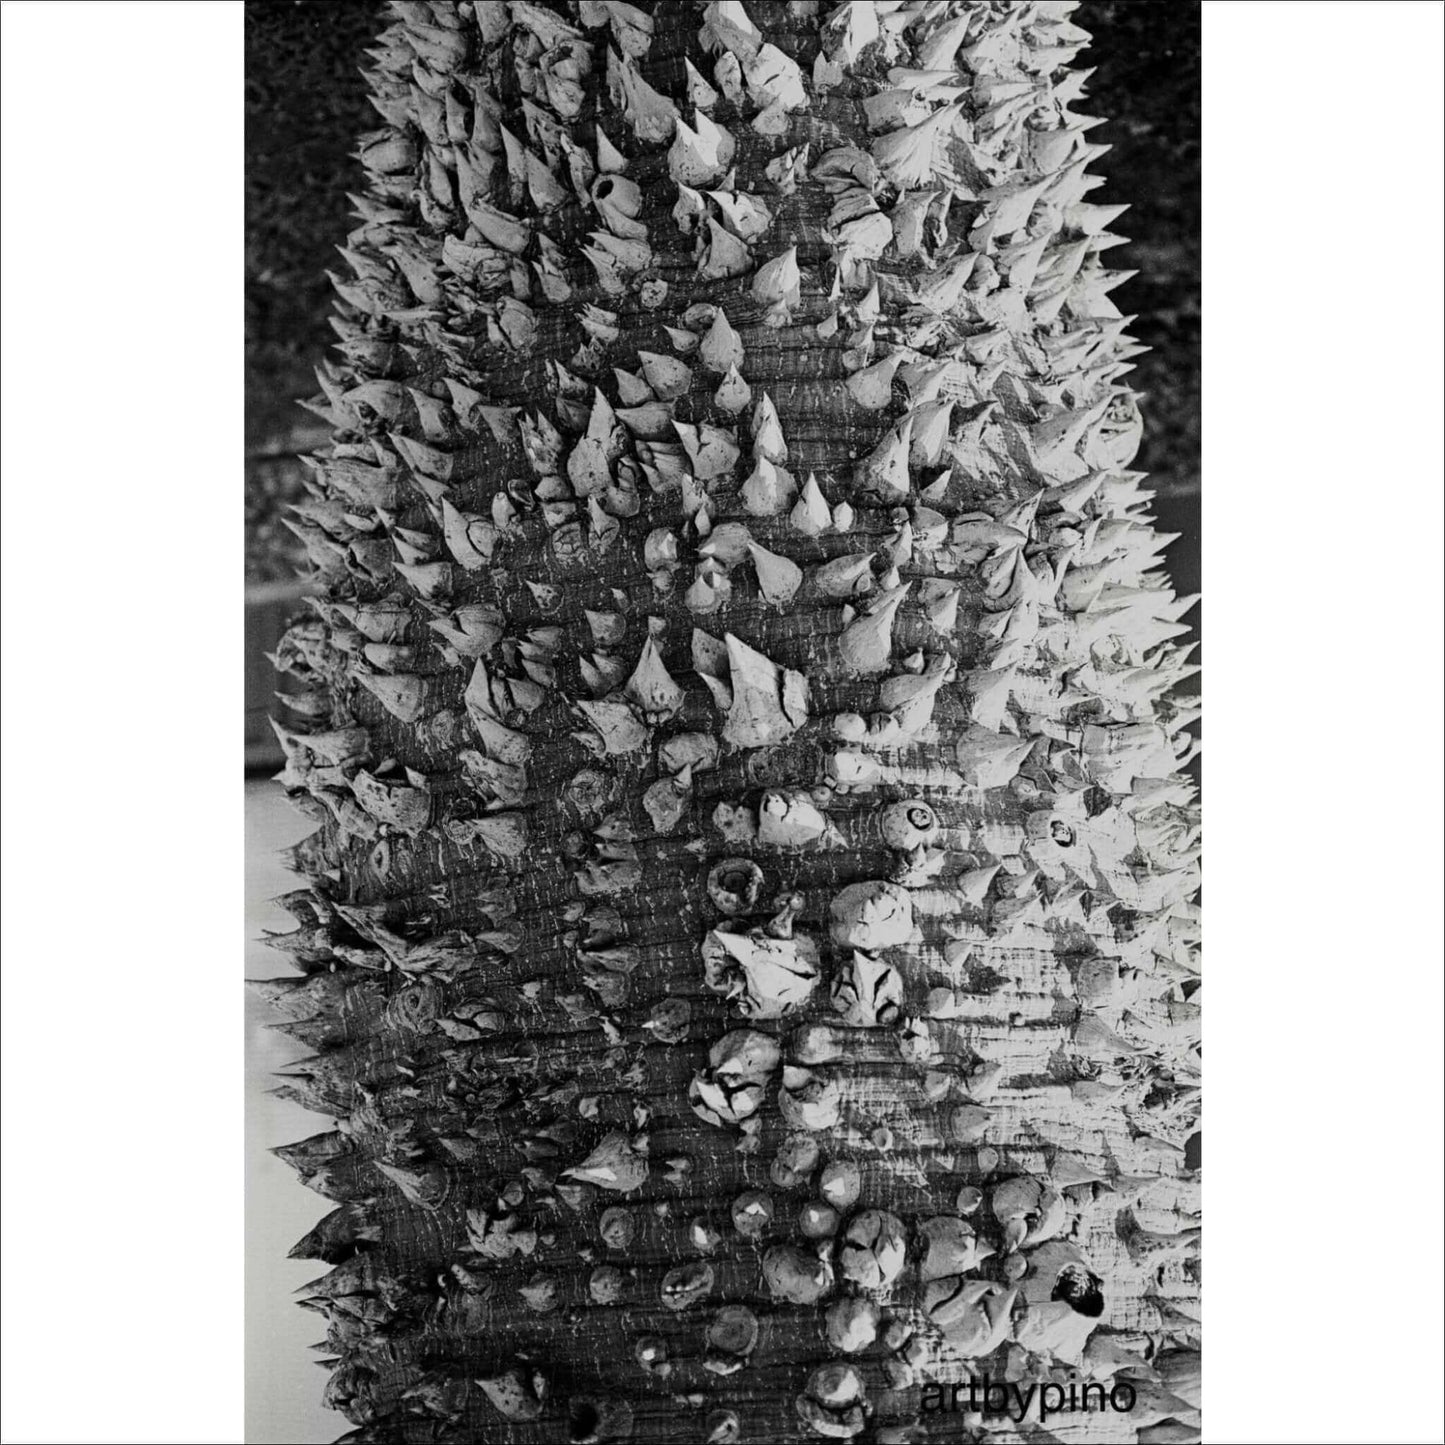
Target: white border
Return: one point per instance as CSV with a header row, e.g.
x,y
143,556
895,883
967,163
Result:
x,y
122,453
122,461
1322,780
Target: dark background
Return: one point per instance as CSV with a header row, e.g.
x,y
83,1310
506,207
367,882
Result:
x,y
306,104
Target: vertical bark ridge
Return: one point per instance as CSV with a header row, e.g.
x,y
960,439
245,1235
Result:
x,y
749,947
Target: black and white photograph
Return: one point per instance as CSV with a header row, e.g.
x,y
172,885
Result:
x,y
723,510
746,959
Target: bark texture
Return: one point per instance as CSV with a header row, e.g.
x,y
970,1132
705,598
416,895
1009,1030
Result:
x,y
748,946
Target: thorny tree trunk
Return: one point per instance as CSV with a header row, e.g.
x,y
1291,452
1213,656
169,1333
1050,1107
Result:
x,y
748,947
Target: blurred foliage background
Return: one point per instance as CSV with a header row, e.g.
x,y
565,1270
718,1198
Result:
x,y
1146,81
305,106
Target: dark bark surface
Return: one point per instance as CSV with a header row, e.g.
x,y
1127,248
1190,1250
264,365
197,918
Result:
x,y
747,944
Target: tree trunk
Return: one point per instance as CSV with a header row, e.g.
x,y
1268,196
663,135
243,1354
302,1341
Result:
x,y
748,948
